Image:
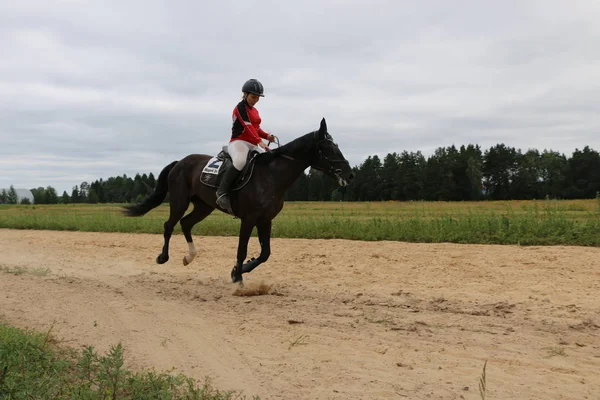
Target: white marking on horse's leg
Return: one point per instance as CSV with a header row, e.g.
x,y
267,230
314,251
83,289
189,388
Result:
x,y
190,257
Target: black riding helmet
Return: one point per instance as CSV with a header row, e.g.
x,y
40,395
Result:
x,y
253,86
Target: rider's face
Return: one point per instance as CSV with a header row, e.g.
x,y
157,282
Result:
x,y
252,99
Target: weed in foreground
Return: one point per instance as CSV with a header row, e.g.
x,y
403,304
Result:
x,y
298,341
24,270
32,366
483,383
556,351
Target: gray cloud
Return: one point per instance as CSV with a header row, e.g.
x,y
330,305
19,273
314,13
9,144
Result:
x,y
92,90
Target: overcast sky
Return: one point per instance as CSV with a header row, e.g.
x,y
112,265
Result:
x,y
93,89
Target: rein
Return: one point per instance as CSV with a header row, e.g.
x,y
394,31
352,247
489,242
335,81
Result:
x,y
278,146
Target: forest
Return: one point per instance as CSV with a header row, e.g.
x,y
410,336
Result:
x,y
465,173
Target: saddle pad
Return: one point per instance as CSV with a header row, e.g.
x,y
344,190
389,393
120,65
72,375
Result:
x,y
213,166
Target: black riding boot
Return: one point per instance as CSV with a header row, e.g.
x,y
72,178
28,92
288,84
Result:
x,y
223,191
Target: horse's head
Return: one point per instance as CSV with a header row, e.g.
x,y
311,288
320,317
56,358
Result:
x,y
329,159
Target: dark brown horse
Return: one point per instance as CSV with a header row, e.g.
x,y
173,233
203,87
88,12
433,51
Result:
x,y
256,203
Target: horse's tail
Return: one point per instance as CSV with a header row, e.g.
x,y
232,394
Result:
x,y
156,198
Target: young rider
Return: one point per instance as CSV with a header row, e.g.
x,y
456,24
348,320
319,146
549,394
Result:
x,y
246,135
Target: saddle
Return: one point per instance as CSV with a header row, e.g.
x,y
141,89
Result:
x,y
215,168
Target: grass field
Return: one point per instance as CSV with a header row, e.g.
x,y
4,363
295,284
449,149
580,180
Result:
x,y
34,366
545,222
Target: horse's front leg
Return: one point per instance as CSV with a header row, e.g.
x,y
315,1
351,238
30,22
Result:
x,y
264,237
245,232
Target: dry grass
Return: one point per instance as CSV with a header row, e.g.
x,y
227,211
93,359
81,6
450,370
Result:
x,y
556,351
483,382
300,340
24,270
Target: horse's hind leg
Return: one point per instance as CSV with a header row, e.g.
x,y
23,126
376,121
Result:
x,y
201,210
179,204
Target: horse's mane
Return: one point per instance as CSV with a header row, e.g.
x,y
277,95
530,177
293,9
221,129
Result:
x,y
297,146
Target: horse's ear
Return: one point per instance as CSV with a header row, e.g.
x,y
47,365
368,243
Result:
x,y
323,128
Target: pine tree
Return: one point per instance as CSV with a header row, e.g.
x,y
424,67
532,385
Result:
x,y
13,197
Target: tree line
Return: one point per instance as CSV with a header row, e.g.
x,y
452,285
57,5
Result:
x,y
119,189
466,173
10,196
462,174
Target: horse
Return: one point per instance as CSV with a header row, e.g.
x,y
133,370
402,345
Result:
x,y
256,203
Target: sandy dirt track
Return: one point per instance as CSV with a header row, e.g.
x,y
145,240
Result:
x,y
344,320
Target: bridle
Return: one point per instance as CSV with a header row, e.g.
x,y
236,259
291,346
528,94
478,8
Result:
x,y
330,162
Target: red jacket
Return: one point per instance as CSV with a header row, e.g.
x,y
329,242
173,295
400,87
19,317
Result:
x,y
246,124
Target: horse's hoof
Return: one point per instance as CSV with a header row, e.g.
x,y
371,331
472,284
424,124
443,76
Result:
x,y
185,261
235,278
162,259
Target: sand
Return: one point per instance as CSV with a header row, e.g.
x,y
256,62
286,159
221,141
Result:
x,y
340,319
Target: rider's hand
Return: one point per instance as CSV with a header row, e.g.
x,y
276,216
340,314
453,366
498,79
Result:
x,y
264,146
271,138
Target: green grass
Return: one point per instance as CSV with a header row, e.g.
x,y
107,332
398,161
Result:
x,y
33,366
545,222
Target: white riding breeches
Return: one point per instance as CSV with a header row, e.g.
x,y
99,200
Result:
x,y
239,149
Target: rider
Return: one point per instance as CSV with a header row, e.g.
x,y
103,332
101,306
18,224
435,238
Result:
x,y
246,135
